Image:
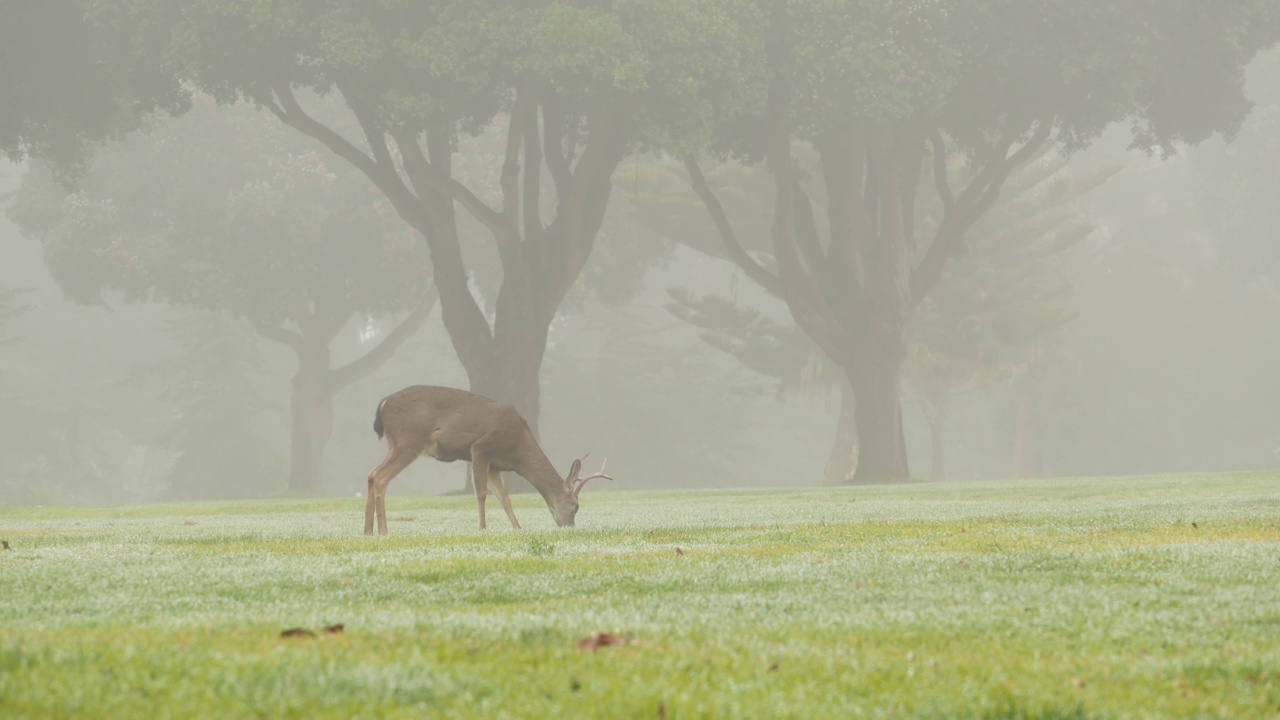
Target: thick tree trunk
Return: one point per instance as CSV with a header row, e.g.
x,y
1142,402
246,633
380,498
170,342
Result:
x,y
311,422
844,451
879,416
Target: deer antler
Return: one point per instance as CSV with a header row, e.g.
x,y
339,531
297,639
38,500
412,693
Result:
x,y
583,480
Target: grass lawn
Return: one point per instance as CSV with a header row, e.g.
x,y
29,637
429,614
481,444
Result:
x,y
1106,598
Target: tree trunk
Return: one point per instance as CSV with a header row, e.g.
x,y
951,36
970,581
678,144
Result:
x,y
877,386
311,421
1026,456
938,472
844,451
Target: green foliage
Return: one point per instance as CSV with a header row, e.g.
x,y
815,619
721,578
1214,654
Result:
x,y
224,210
68,83
1235,182
1098,598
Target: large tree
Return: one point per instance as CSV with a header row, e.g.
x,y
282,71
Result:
x,y
576,87
225,210
889,92
66,82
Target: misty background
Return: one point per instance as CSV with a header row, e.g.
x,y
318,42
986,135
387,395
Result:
x,y
1154,303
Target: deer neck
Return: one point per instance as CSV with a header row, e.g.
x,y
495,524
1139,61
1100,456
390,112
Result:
x,y
538,470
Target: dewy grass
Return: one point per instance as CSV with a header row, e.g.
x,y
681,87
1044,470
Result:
x,y
1098,598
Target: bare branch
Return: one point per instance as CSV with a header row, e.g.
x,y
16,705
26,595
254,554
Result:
x,y
277,334
976,198
426,177
940,181
374,132
375,358
737,253
553,144
391,185
533,153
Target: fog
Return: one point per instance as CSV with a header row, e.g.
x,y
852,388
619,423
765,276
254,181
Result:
x,y
211,303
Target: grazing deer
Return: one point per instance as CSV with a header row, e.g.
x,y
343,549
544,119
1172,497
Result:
x,y
450,424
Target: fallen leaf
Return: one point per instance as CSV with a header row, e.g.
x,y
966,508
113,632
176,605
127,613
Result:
x,y
335,629
599,640
189,523
679,552
297,633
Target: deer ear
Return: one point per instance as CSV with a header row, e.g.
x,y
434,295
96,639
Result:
x,y
573,472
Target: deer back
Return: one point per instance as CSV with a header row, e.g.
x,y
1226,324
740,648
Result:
x,y
446,422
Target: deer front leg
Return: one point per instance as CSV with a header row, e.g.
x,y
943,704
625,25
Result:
x,y
397,459
496,485
480,479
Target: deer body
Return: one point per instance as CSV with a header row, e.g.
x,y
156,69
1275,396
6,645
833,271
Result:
x,y
449,425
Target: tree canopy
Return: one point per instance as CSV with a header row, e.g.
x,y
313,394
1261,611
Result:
x,y
889,92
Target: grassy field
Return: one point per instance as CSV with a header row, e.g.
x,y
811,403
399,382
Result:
x,y
1106,598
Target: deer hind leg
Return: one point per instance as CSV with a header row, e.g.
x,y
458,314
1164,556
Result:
x,y
496,485
397,459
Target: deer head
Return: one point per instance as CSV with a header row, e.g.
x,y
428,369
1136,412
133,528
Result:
x,y
564,514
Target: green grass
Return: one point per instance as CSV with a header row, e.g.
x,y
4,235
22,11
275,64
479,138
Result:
x,y
1098,598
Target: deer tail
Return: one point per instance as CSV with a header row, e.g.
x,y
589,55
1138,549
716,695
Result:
x,y
377,419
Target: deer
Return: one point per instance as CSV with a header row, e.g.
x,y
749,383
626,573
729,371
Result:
x,y
449,425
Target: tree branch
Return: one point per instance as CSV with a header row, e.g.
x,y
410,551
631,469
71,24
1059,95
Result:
x,y
977,197
425,177
553,122
374,359
940,181
533,154
277,334
738,254
375,134
291,113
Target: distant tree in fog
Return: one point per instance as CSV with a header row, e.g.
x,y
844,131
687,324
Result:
x,y
576,89
225,210
888,93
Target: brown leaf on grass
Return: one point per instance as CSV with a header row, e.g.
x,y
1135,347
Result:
x,y
297,633
335,629
189,523
599,640
679,552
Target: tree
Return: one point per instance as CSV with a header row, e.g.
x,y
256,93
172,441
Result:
x,y
888,93
1000,302
576,87
66,82
224,210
